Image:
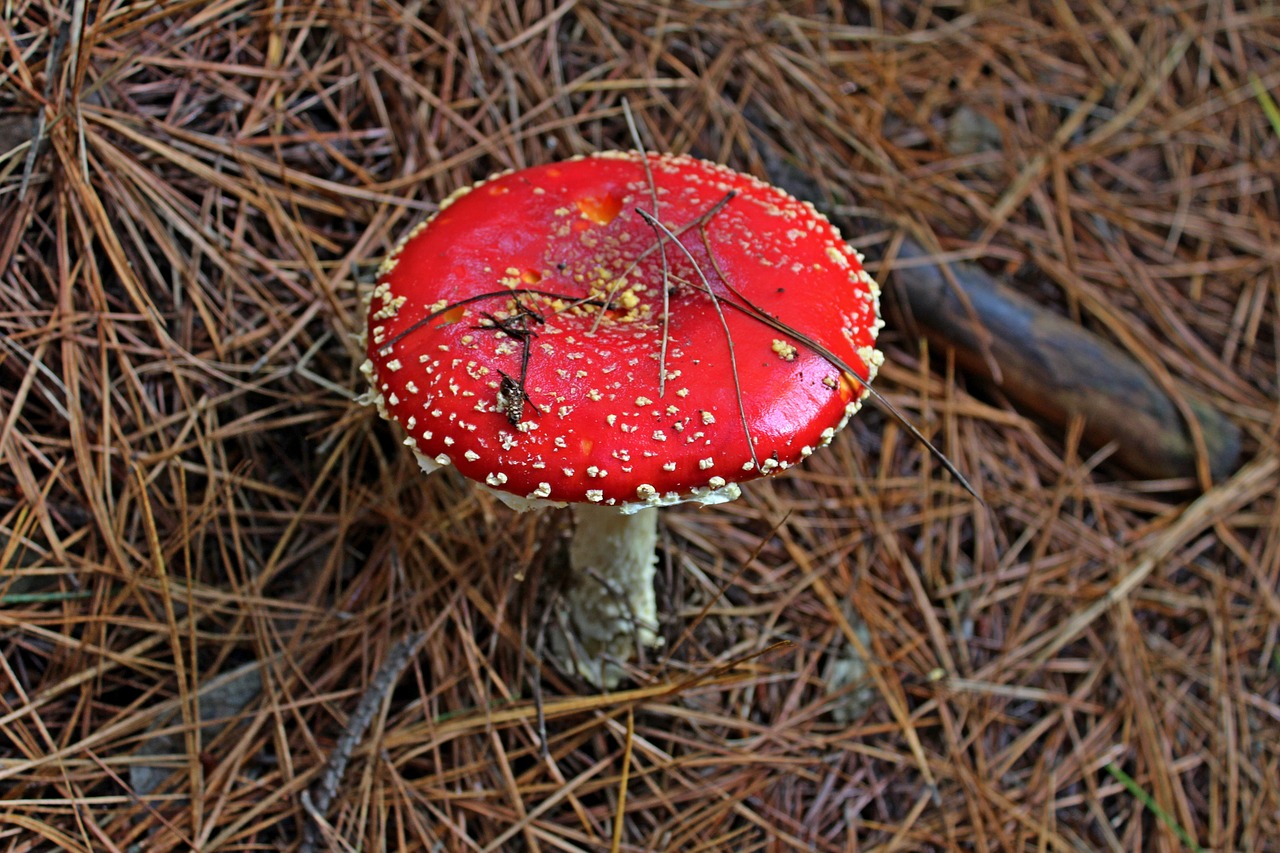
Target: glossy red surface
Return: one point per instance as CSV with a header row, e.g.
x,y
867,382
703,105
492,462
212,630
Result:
x,y
597,425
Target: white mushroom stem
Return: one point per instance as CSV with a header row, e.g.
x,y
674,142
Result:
x,y
611,604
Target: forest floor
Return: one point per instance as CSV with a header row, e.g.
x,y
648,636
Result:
x,y
212,551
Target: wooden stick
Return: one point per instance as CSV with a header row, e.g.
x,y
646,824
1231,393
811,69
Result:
x,y
1057,370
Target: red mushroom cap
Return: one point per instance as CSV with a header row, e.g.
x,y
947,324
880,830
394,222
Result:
x,y
519,381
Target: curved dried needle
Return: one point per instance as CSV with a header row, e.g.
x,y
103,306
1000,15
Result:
x,y
748,308
715,301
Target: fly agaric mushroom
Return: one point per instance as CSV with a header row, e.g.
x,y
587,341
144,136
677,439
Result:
x,y
620,332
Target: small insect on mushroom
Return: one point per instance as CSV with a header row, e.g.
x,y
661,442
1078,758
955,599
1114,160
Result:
x,y
512,395
511,399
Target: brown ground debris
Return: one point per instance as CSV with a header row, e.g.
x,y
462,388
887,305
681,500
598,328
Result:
x,y
193,196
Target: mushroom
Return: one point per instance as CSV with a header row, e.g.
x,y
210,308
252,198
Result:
x,y
620,332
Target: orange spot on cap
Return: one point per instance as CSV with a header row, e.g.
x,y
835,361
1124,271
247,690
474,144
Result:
x,y
850,388
600,210
453,315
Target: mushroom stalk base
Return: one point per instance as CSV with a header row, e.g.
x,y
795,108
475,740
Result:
x,y
611,605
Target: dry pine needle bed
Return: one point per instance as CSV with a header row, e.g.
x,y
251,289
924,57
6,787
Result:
x,y
235,616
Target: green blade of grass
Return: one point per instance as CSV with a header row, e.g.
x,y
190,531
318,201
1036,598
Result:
x,y
1267,102
40,597
1147,800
